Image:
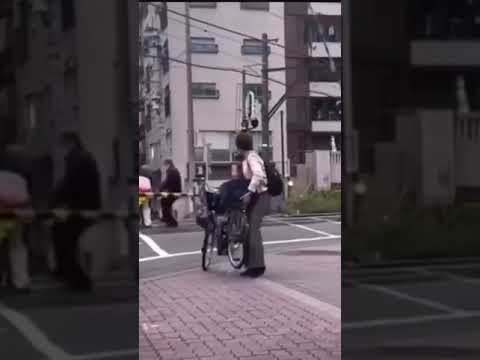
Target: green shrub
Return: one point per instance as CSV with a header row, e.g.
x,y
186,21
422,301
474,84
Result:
x,y
312,202
419,233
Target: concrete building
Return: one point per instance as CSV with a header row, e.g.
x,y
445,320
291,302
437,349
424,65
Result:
x,y
313,34
7,75
412,113
72,73
217,95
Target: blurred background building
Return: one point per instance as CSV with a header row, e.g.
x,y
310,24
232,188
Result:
x,y
65,73
412,102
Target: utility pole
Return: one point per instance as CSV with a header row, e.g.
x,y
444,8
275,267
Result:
x,y
282,129
349,145
191,129
142,80
265,120
244,98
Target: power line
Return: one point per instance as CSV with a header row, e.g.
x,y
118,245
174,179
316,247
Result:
x,y
297,56
221,51
249,74
219,35
224,28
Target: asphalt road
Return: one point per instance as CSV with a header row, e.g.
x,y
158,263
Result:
x,y
53,322
164,252
422,312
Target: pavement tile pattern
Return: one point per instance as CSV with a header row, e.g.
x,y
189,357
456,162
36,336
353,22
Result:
x,y
217,315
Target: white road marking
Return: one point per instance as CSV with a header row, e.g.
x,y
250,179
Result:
x,y
33,334
328,309
172,255
407,321
425,302
153,245
301,240
303,227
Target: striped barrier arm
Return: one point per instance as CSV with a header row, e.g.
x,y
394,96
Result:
x,y
166,194
63,214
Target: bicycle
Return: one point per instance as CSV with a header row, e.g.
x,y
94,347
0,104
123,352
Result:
x,y
230,229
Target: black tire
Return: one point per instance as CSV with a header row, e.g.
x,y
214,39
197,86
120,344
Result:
x,y
236,254
237,250
207,250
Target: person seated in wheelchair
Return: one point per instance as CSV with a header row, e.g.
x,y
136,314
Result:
x,y
229,197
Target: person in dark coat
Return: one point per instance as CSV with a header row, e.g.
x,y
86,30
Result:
x,y
232,190
78,190
172,184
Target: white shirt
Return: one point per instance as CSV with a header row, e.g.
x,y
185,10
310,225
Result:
x,y
254,170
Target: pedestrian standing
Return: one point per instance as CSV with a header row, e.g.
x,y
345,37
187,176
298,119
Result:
x,y
145,187
79,190
14,194
172,184
155,203
257,200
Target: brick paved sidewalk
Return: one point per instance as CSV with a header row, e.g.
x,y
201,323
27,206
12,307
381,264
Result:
x,y
220,315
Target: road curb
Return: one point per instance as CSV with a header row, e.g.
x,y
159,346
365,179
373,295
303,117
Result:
x,y
306,215
410,263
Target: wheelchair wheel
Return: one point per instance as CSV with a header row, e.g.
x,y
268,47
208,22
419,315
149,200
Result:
x,y
236,254
237,244
207,250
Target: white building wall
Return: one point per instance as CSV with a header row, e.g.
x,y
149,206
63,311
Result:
x,y
221,114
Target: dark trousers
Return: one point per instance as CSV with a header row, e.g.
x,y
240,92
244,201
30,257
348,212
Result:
x,y
167,204
256,211
66,237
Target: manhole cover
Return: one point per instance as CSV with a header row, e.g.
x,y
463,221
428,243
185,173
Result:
x,y
312,253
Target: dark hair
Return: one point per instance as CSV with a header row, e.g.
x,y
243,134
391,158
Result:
x,y
244,141
168,162
71,138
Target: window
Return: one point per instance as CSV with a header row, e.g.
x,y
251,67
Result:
x,y
205,91
68,14
255,5
319,26
253,47
203,45
221,145
220,172
199,154
167,101
198,4
319,70
331,33
325,109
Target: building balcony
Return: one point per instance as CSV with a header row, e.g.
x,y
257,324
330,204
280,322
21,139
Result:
x,y
445,52
325,88
327,126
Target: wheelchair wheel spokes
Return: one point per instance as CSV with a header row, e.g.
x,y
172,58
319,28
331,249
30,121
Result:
x,y
208,250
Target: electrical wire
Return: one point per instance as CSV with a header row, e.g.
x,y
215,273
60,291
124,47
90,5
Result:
x,y
223,28
247,73
219,35
221,51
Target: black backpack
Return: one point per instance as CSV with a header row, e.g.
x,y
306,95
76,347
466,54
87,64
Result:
x,y
275,182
